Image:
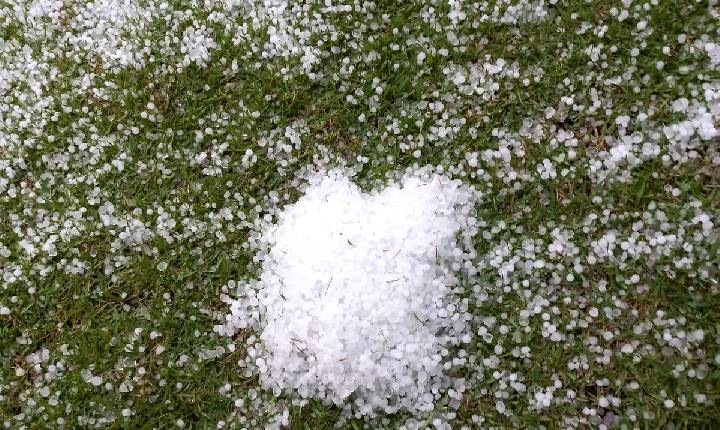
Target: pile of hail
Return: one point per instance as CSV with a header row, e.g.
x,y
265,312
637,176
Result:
x,y
359,300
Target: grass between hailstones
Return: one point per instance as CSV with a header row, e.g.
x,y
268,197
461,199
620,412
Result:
x,y
145,327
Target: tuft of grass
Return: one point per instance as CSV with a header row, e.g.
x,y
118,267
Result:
x,y
100,321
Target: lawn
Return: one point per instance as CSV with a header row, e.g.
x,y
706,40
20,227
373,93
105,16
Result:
x,y
143,142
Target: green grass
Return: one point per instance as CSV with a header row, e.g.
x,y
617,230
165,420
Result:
x,y
94,315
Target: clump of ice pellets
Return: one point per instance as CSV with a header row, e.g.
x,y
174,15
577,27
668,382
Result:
x,y
357,302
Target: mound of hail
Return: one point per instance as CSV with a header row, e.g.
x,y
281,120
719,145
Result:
x,y
357,302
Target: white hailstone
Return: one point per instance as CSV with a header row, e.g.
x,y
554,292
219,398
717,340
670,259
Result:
x,y
627,348
96,381
125,387
459,78
622,121
713,52
355,296
45,391
594,52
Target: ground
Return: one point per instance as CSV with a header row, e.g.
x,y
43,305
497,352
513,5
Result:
x,y
141,141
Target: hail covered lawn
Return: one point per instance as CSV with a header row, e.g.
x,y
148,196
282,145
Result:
x,y
146,145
